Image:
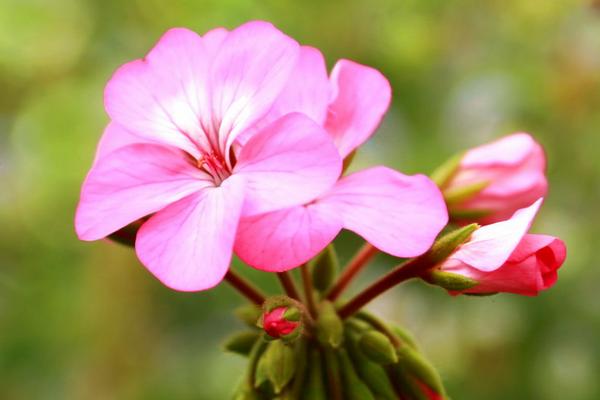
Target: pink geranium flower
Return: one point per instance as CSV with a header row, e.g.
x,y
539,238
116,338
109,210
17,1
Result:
x,y
171,150
398,214
503,257
512,171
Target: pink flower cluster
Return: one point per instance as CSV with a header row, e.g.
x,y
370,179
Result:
x,y
234,141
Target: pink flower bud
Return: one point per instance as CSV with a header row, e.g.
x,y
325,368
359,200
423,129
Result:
x,y
503,257
494,180
276,325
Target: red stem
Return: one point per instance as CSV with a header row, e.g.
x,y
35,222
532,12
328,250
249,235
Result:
x,y
403,272
244,287
288,285
358,262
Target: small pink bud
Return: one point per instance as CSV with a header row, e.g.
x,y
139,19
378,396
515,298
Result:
x,y
278,322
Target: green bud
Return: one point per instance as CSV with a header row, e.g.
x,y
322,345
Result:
x,y
249,314
371,373
315,384
442,174
354,388
420,368
280,364
332,370
324,269
378,348
449,280
329,326
443,247
242,342
405,337
405,384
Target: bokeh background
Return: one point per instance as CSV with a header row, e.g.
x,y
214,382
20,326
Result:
x,y
86,321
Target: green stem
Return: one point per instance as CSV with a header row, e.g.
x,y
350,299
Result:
x,y
309,292
356,264
288,285
245,288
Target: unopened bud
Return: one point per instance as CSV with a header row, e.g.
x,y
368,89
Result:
x,y
280,364
378,348
281,321
421,369
324,269
329,326
450,281
241,342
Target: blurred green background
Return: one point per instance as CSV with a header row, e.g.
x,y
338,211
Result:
x,y
86,321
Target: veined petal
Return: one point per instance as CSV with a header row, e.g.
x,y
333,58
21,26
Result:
x,y
284,239
400,215
249,71
163,97
490,246
290,162
361,98
307,91
132,182
114,137
188,245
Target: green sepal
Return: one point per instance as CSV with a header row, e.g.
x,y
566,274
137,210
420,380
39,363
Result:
x,y
315,389
329,327
444,173
463,193
420,368
444,246
377,347
280,364
249,314
324,267
449,280
468,214
241,342
353,387
292,314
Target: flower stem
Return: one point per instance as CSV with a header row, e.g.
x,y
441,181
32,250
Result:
x,y
356,264
403,272
309,292
288,285
245,288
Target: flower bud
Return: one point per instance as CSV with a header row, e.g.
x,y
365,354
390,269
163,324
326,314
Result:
x,y
378,348
329,326
281,321
490,182
353,387
242,342
324,269
279,364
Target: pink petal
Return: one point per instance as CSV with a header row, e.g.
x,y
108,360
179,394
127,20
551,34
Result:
x,y
287,238
289,163
506,151
114,136
251,68
133,182
307,91
188,245
401,215
361,98
163,96
490,246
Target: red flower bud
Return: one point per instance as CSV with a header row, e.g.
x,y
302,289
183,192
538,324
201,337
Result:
x,y
277,325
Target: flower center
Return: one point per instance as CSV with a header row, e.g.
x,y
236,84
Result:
x,y
215,165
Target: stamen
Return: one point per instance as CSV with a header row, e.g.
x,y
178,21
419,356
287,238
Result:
x,y
215,165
